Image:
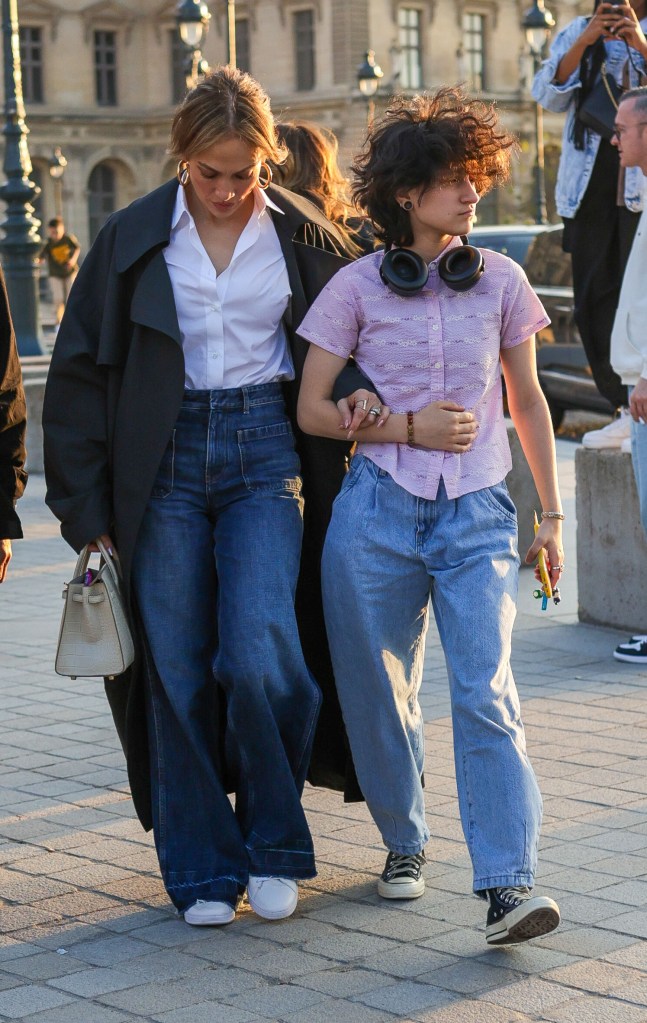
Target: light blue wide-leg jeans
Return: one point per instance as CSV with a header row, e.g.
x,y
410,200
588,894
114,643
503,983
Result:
x,y
386,553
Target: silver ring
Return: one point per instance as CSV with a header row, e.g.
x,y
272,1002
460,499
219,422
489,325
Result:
x,y
362,403
560,568
375,411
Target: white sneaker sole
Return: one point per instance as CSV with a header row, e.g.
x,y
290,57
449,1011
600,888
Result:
x,y
630,658
537,916
401,889
606,445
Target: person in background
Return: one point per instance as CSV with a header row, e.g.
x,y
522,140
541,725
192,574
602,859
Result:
x,y
61,251
311,169
13,424
629,335
170,433
424,512
599,202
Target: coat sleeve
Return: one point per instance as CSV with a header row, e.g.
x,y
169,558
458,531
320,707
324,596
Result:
x,y
75,410
12,424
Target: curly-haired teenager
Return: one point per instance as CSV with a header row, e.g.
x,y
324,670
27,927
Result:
x,y
424,510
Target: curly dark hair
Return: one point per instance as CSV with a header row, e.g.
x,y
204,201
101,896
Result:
x,y
416,142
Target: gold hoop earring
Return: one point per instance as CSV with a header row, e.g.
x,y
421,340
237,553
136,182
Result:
x,y
182,173
268,181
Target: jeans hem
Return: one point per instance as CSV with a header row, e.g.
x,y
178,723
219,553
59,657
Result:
x,y
207,891
407,849
278,867
481,884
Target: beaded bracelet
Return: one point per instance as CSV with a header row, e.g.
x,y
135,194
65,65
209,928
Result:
x,y
552,515
410,429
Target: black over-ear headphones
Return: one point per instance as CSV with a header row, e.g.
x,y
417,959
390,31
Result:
x,y
405,272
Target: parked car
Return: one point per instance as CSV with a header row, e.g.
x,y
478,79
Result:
x,y
562,366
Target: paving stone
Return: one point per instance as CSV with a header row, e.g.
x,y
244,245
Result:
x,y
79,1012
332,1010
220,984
596,1009
469,976
96,981
44,966
277,1000
406,996
467,1011
344,981
207,1012
24,1001
532,995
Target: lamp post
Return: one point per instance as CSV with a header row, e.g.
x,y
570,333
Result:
x,y
537,23
57,165
21,244
193,18
368,79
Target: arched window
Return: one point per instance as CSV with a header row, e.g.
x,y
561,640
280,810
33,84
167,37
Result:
x,y
102,197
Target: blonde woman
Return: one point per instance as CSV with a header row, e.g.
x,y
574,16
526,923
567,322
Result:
x,y
169,434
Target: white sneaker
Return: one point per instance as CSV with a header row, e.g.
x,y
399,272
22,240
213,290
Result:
x,y
625,447
209,914
272,897
610,436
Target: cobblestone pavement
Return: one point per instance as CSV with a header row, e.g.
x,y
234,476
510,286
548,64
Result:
x,y
86,931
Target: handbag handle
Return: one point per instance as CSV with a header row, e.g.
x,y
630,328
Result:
x,y
603,76
111,561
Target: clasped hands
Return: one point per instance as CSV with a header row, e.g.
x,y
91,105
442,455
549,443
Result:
x,y
442,425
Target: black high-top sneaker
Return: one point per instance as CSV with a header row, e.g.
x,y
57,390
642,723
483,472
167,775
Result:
x,y
402,876
515,915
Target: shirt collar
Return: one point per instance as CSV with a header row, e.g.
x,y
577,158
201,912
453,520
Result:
x,y
261,202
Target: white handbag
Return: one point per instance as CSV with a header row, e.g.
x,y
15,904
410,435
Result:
x,y
94,638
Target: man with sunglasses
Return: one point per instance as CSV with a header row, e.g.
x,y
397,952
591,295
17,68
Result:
x,y
629,335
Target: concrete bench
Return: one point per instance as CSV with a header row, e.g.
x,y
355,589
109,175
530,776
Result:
x,y
611,544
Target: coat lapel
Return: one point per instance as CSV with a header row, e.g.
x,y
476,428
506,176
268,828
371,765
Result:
x,y
153,304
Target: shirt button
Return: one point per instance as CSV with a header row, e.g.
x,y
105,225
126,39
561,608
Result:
x,y
438,365
435,326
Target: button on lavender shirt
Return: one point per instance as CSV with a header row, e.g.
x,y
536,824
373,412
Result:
x,y
436,344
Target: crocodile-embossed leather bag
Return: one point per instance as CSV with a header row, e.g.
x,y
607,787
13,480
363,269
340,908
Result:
x,y
94,638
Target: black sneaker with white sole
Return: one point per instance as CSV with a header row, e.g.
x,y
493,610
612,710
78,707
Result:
x,y
402,876
633,652
515,915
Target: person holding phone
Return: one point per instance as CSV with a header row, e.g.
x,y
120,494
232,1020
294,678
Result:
x,y
599,201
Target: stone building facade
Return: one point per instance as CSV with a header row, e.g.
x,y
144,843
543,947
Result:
x,y
101,80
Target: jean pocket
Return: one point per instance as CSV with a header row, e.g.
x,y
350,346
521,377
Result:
x,y
268,459
163,485
499,499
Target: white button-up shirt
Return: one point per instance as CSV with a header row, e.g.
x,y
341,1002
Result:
x,y
230,322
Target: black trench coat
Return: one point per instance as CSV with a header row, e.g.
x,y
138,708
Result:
x,y
113,394
13,424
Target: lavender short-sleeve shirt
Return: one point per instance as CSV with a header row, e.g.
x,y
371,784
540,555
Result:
x,y
437,344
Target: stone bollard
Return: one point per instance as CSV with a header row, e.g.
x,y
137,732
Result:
x,y
34,376
611,544
522,491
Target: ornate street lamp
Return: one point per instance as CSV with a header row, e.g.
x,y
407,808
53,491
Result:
x,y
193,18
368,79
538,23
57,165
21,244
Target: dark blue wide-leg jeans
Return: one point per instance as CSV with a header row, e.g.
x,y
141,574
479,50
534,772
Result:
x,y
215,574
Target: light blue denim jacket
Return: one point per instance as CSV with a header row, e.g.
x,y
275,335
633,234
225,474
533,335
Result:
x,y
576,165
